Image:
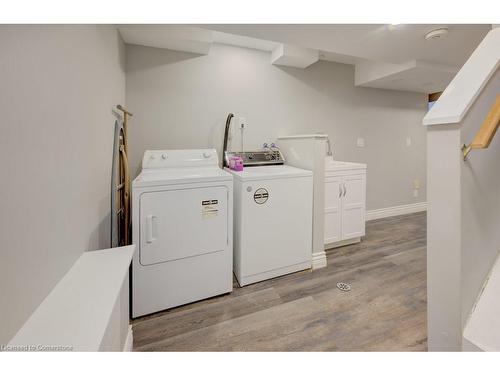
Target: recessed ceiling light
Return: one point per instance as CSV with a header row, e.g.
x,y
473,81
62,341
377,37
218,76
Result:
x,y
436,33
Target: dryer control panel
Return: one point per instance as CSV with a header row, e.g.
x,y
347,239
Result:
x,y
154,159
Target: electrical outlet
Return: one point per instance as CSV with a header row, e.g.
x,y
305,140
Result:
x,y
415,193
360,142
408,141
242,123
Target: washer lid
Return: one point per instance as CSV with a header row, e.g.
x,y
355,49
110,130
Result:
x,y
269,172
167,176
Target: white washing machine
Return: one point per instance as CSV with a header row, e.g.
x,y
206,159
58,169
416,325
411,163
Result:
x,y
272,217
182,216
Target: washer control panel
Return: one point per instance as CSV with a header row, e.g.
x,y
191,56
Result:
x,y
254,158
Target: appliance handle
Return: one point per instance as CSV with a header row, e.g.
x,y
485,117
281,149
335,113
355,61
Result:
x,y
150,219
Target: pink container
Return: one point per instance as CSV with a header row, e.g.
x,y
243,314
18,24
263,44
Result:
x,y
236,163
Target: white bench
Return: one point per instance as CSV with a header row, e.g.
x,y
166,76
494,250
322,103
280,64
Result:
x,y
88,310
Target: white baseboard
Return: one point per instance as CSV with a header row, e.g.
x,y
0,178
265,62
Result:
x,y
333,245
318,260
129,341
396,210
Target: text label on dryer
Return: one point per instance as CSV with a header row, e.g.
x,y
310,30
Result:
x,y
209,208
209,201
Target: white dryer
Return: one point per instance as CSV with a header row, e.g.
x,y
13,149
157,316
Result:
x,y
182,215
272,217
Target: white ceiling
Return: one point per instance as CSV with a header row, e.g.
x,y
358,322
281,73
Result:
x,y
188,38
244,41
408,61
388,43
386,56
415,75
175,37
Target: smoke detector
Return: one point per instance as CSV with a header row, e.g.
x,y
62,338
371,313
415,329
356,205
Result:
x,y
436,33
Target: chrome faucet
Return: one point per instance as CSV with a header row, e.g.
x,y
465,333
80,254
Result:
x,y
329,153
226,136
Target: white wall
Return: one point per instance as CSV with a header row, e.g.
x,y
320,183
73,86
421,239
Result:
x,y
480,201
58,87
181,100
444,261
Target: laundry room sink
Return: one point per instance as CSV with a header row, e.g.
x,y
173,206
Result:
x,y
331,164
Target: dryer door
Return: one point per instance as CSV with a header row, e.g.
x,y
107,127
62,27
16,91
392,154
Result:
x,y
176,224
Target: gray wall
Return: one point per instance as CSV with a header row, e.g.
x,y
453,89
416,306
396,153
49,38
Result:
x,y
180,100
57,87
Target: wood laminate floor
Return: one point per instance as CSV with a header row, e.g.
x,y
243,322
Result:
x,y
304,311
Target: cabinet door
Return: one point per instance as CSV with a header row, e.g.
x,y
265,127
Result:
x,y
332,230
353,206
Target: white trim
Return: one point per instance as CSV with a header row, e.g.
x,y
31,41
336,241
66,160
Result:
x,y
129,340
318,260
396,210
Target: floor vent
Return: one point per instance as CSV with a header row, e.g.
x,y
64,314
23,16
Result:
x,y
344,287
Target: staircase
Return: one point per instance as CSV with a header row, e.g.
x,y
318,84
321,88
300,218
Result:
x,y
464,206
482,331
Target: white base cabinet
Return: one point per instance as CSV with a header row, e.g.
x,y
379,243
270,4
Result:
x,y
345,203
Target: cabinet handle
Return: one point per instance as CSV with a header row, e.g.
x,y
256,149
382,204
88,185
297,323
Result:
x,y
345,190
340,190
